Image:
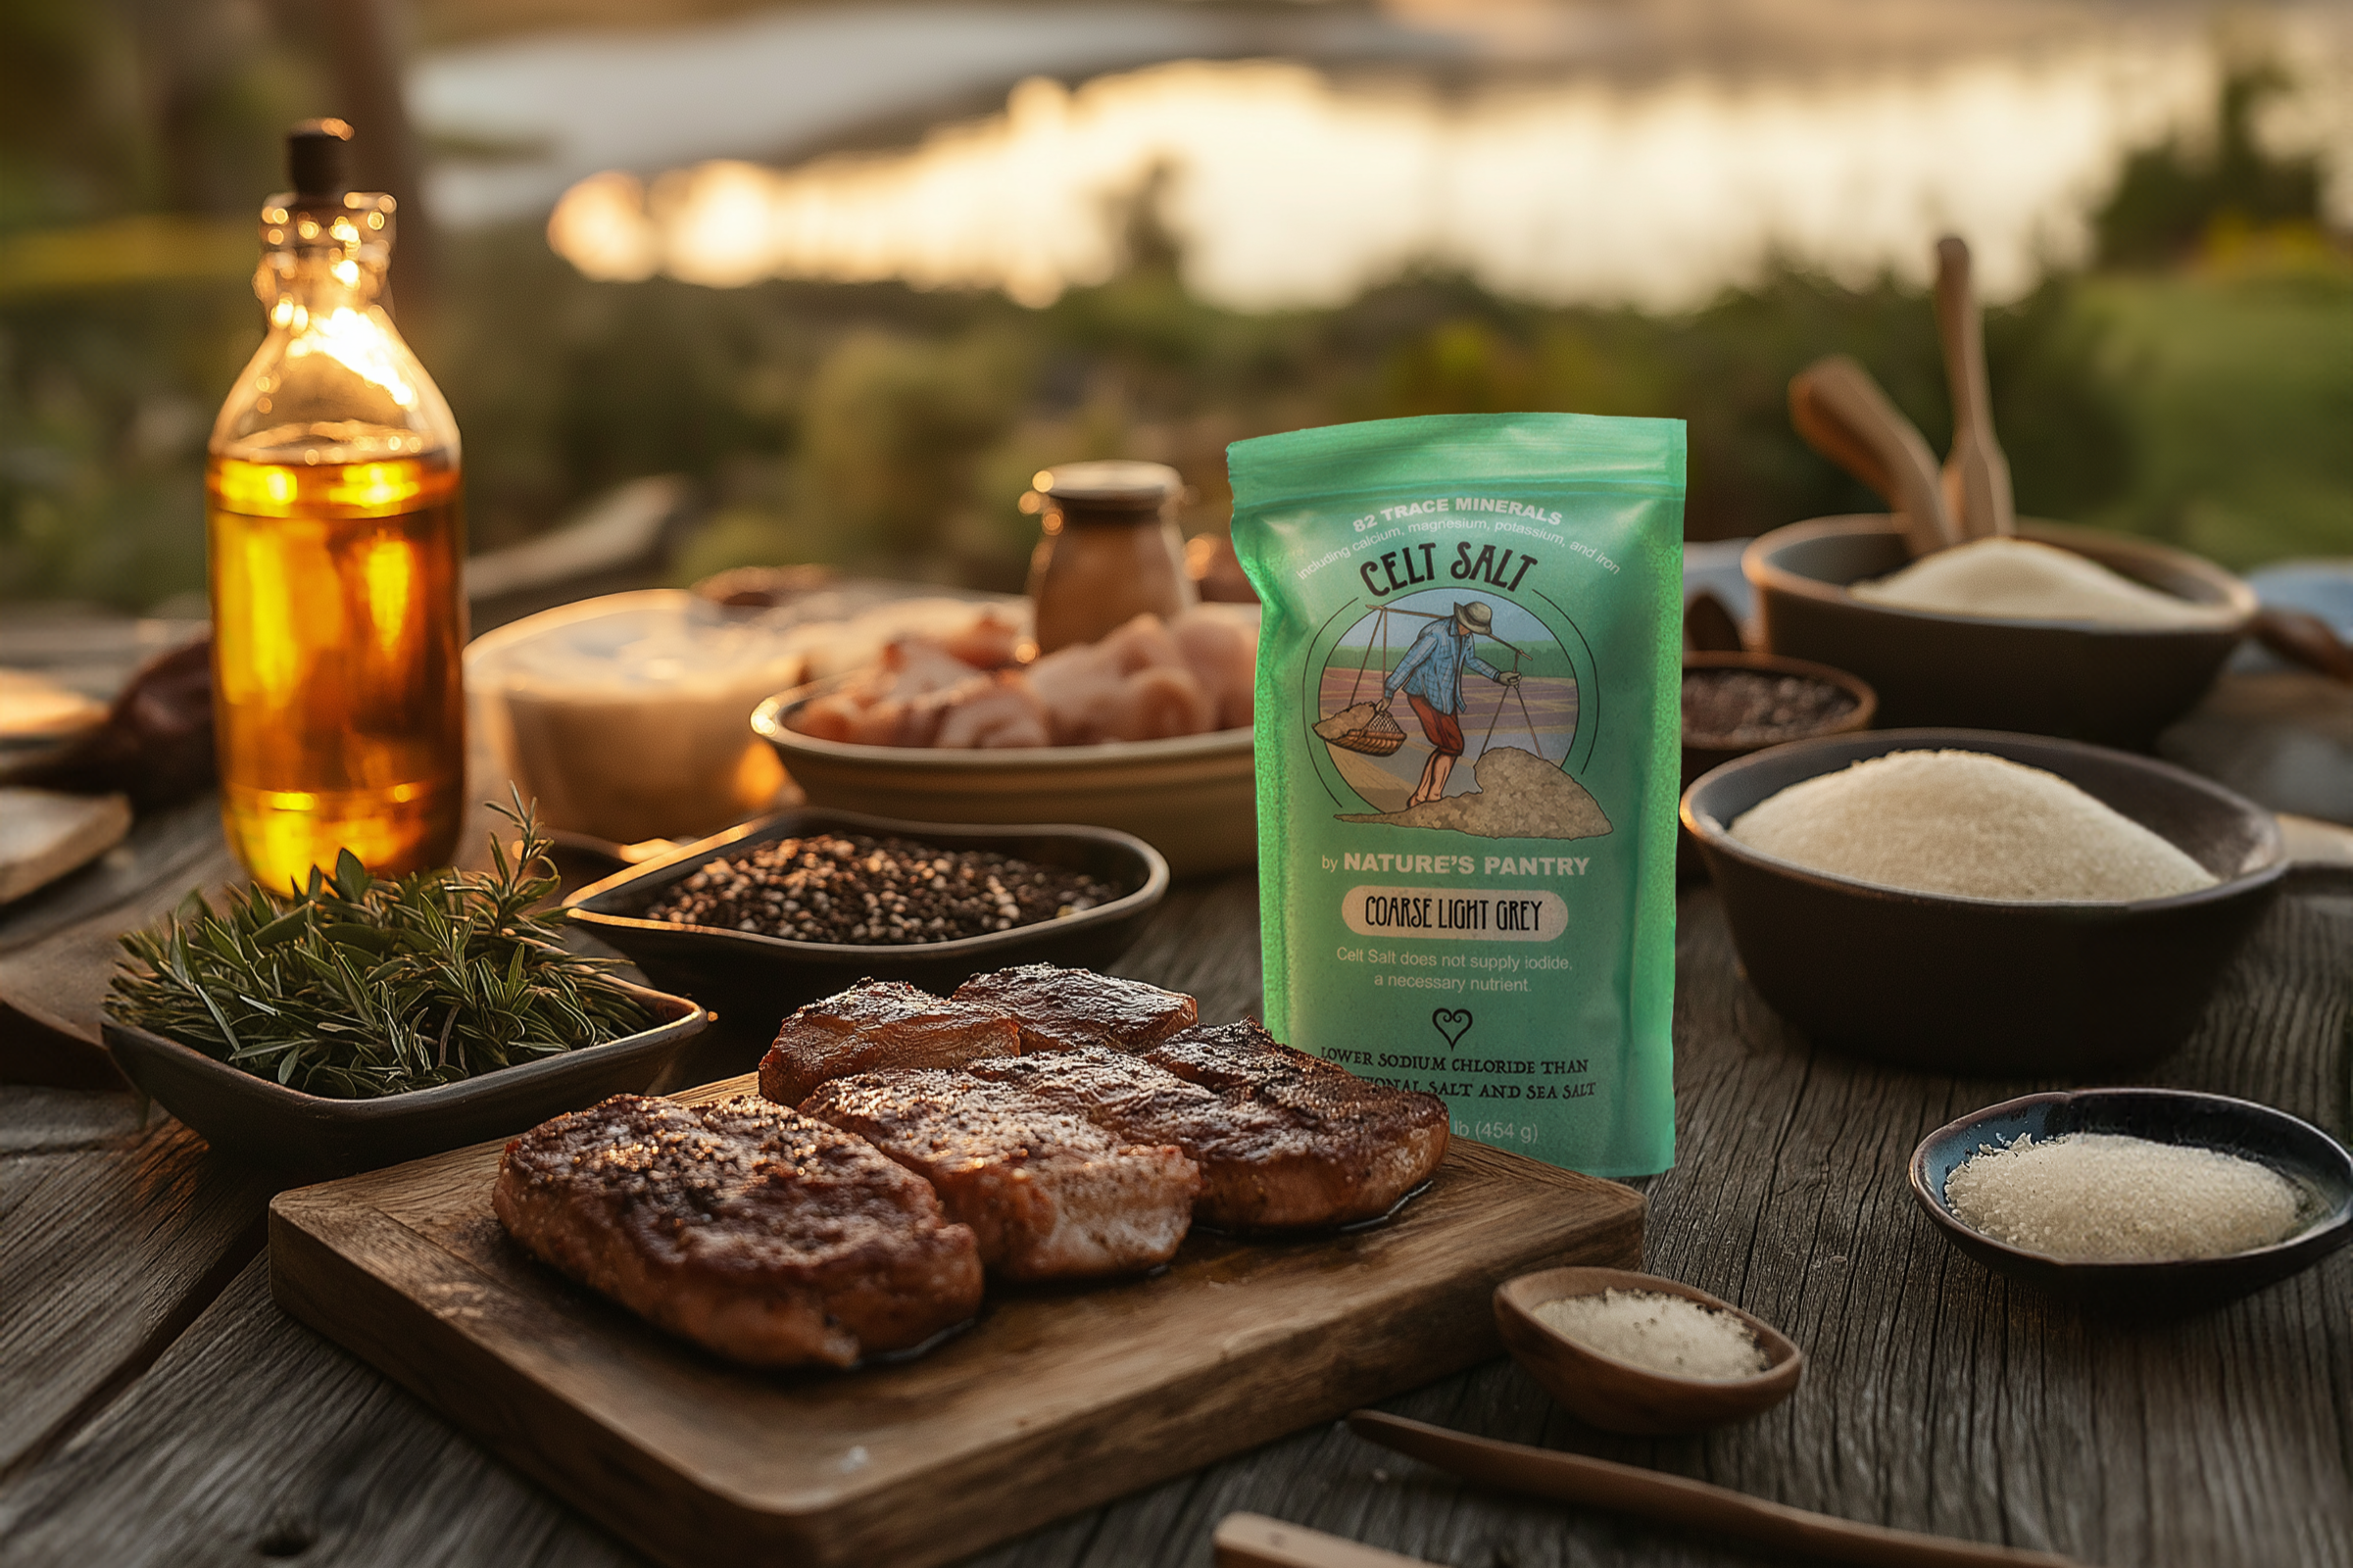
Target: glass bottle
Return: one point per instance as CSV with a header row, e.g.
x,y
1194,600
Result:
x,y
1110,551
335,552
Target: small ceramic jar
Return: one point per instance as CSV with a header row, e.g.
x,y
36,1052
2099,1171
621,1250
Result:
x,y
1110,551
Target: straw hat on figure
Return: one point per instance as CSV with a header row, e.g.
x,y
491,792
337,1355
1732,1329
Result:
x,y
1431,676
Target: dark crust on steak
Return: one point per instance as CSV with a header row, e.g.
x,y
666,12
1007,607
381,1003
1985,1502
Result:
x,y
1048,1195
1060,1008
878,1024
1369,1143
1292,1141
743,1226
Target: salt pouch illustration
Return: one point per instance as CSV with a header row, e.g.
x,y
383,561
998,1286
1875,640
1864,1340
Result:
x,y
1467,734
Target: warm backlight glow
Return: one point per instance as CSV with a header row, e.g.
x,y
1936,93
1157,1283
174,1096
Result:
x,y
358,341
1285,189
339,625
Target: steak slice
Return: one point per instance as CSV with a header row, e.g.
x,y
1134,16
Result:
x,y
1049,1196
743,1226
1059,1008
877,1024
1354,1148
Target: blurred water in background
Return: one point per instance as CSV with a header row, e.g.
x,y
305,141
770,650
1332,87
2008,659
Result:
x,y
847,275
1553,154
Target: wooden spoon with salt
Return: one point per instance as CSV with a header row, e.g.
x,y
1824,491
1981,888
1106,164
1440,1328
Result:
x,y
1977,476
1842,413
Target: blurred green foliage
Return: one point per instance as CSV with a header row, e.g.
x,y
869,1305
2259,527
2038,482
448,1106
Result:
x,y
2208,401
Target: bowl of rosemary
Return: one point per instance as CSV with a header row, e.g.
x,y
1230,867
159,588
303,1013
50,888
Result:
x,y
367,1020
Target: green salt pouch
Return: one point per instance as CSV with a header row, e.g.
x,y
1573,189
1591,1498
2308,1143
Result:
x,y
1468,729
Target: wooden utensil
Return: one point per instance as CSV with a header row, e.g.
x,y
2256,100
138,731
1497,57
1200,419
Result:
x,y
1840,410
1604,1391
1573,1478
1977,476
1253,1540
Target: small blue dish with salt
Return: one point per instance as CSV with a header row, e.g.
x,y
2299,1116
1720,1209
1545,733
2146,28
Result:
x,y
2316,1167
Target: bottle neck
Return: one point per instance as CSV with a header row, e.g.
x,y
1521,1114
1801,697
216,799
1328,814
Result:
x,y
323,255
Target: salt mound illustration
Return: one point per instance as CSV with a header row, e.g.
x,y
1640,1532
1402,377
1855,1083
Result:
x,y
1520,796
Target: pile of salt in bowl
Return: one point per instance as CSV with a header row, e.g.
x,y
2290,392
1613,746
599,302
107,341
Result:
x,y
2021,579
1964,823
1659,1332
2104,1198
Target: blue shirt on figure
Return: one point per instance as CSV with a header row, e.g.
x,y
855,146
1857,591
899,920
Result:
x,y
1433,666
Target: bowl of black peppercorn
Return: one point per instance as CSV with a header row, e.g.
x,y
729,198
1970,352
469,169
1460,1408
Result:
x,y
756,920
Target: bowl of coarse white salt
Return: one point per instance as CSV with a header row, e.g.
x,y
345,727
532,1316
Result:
x,y
1968,902
1637,1352
2147,1201
2076,632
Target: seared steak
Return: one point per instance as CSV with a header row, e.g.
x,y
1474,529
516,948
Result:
x,y
1271,1155
877,1024
1368,1143
1059,1008
1049,1196
743,1226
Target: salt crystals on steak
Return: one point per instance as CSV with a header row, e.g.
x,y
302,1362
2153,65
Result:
x,y
743,1226
1049,1196
1059,1008
877,1024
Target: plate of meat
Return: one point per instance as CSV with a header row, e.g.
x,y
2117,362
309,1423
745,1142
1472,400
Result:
x,y
945,1268
1147,731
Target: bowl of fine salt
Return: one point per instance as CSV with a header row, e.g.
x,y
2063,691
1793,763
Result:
x,y
1975,902
2079,632
2143,1201
1635,1352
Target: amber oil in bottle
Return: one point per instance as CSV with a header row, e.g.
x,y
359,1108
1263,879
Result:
x,y
336,550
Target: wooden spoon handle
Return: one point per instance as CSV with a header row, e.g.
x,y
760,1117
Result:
x,y
1977,475
1253,1540
1837,391
2302,638
1674,1500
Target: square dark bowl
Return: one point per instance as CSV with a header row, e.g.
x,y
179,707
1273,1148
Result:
x,y
754,980
2309,1159
263,1121
1983,987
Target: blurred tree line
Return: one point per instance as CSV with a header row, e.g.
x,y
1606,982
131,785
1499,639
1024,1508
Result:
x,y
2199,384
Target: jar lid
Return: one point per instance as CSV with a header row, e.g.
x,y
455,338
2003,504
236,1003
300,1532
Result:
x,y
1115,484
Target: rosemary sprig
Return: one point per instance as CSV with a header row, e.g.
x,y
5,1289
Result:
x,y
360,986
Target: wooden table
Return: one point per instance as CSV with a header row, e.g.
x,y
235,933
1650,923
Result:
x,y
156,1407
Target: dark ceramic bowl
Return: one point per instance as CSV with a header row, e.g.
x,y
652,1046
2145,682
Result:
x,y
754,980
263,1121
2312,1161
1698,756
2117,686
1984,986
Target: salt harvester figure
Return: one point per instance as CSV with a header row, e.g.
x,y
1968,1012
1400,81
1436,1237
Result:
x,y
1431,676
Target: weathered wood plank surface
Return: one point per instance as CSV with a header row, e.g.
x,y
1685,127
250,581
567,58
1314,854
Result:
x,y
1938,1398
112,1238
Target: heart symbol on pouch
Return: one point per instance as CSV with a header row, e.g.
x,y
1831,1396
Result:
x,y
1452,1022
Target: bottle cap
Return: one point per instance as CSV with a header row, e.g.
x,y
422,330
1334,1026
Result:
x,y
318,158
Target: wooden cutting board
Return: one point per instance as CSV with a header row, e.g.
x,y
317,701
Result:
x,y
1053,1401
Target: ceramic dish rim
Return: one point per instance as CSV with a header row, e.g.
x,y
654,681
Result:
x,y
1854,722
767,722
1153,888
376,1108
1717,835
1763,573
1755,1382
2335,1221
